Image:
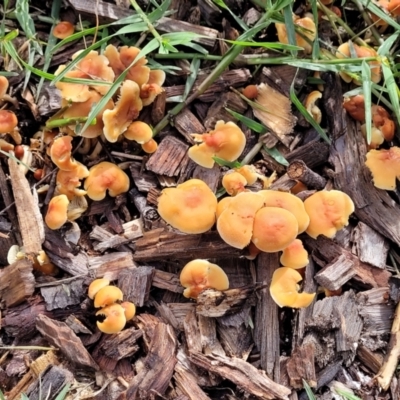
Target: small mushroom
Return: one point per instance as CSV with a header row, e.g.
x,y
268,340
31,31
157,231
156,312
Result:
x,y
96,285
139,131
250,91
284,289
190,207
355,107
393,7
43,264
295,255
311,107
384,165
222,205
63,29
150,147
130,310
249,172
61,153
56,215
150,90
107,295
8,121
114,319
274,229
234,183
329,212
198,275
106,176
226,141
69,182
75,92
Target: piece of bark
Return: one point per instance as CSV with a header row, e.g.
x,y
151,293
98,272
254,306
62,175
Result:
x,y
110,265
284,183
369,359
336,273
144,181
187,123
208,333
168,281
266,331
167,315
159,244
136,283
113,348
76,325
168,158
30,219
373,206
16,282
180,311
147,212
211,176
238,371
158,365
114,222
213,303
64,295
300,367
313,154
299,171
61,336
158,108
328,374
370,246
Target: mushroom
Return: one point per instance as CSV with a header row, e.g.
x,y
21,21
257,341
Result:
x,y
190,207
222,205
103,176
329,212
114,319
295,255
43,264
139,131
61,154
150,90
150,147
8,121
75,92
385,167
198,275
63,29
96,285
6,146
284,289
249,172
3,86
107,295
250,91
138,73
288,201
226,141
355,107
235,223
393,7
56,215
383,124
127,109
234,183
130,310
311,107
274,229
68,182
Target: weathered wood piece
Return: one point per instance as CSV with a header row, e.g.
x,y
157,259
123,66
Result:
x,y
76,325
136,283
313,154
167,280
29,216
369,358
243,374
110,265
16,282
300,366
283,183
370,246
373,206
211,176
144,181
298,170
158,108
158,366
168,158
147,212
113,348
187,123
336,273
159,244
208,333
64,295
61,336
266,331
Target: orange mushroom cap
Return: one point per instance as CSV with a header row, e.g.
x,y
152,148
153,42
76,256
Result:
x,y
284,289
190,207
43,264
235,223
274,229
114,320
249,172
385,167
394,7
250,91
329,212
150,90
127,109
61,153
139,131
8,121
355,107
222,205
76,92
3,86
56,215
150,147
68,182
63,29
226,141
103,176
311,107
107,295
96,285
234,183
130,310
198,275
6,146
382,121
295,255
138,73
288,201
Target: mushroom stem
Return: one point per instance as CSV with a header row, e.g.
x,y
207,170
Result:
x,y
298,170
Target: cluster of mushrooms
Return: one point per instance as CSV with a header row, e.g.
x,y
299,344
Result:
x,y
114,312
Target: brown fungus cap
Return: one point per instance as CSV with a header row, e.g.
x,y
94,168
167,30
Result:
x,y
274,229
96,285
63,30
288,201
235,223
150,90
114,320
139,131
355,107
198,275
61,153
329,212
190,207
69,182
56,215
106,176
295,255
150,147
8,121
226,141
107,295
385,167
284,289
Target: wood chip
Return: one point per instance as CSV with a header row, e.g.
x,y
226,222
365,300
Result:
x,y
110,265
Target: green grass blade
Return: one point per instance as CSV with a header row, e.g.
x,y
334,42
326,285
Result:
x,y
194,70
267,45
290,30
379,13
24,397
229,164
63,393
385,47
308,390
392,87
238,20
366,84
27,24
347,395
251,124
315,48
2,396
276,155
